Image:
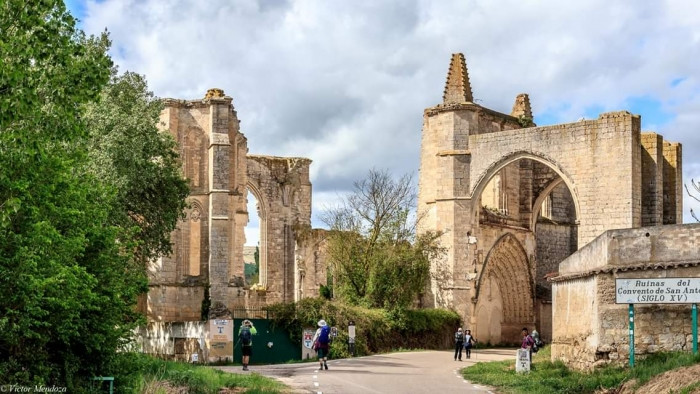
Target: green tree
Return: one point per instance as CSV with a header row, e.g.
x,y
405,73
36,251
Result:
x,y
375,254
71,267
140,162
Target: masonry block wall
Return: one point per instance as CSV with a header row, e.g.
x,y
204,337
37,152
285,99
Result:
x,y
208,242
284,191
673,183
590,329
311,263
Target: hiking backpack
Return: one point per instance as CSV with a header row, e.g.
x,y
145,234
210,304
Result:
x,y
324,337
246,336
535,348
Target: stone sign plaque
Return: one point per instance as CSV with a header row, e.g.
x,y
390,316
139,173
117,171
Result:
x,y
220,339
657,291
307,351
522,361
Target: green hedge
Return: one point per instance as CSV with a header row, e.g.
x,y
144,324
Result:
x,y
377,330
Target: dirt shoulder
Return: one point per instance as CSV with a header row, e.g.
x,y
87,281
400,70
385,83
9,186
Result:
x,y
673,380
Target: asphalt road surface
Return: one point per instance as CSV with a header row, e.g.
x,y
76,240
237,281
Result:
x,y
430,372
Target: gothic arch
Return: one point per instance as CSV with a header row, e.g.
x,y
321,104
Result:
x,y
262,214
195,142
540,199
508,266
498,165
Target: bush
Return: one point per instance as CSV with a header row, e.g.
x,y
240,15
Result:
x,y
377,330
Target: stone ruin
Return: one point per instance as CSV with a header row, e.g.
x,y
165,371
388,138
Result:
x,y
514,200
207,264
527,215
590,329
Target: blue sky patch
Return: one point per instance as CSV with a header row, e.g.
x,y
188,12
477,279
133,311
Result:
x,y
652,111
677,81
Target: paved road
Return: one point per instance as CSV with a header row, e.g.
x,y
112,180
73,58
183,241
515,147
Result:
x,y
430,372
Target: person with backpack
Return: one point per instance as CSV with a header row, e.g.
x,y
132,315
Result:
x,y
469,341
459,342
322,341
245,337
527,343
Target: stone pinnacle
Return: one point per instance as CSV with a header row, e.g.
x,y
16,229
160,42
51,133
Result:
x,y
457,88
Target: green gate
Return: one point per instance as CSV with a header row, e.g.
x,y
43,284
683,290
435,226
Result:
x,y
271,345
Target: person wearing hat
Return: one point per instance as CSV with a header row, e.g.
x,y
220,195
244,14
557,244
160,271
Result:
x,y
245,337
459,342
321,341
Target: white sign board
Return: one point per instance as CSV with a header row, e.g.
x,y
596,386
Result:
x,y
522,361
220,340
306,344
657,291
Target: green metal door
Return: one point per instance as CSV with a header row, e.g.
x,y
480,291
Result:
x,y
270,346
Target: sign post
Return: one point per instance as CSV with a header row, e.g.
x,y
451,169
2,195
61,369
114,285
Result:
x,y
695,328
631,312
658,291
351,338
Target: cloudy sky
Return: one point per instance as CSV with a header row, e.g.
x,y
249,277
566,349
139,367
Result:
x,y
345,82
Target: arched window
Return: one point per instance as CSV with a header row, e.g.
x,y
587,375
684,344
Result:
x,y
546,209
195,256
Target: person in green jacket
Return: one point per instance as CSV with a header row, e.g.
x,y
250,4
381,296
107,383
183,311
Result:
x,y
245,337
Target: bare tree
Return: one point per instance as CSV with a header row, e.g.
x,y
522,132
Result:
x,y
696,186
375,254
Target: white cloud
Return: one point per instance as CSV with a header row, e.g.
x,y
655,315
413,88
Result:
x,y
345,82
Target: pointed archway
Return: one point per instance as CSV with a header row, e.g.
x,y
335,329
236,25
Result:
x,y
506,286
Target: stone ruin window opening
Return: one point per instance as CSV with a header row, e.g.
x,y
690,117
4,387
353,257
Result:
x,y
546,208
194,244
255,248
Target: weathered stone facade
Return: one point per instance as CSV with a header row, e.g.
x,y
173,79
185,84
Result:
x,y
529,197
208,242
590,328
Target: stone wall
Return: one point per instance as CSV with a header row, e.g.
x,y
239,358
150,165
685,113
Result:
x,y
283,190
554,243
589,327
652,172
673,183
311,263
174,341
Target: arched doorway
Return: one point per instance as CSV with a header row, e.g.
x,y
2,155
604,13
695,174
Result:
x,y
528,199
505,295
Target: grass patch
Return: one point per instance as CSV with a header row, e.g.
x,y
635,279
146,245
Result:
x,y
555,377
138,373
688,389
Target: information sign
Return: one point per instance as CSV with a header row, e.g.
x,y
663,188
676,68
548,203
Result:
x,y
657,291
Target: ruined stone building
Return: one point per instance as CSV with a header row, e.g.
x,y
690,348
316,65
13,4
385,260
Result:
x,y
207,262
513,200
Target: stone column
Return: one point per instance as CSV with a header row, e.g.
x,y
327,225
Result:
x,y
221,220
